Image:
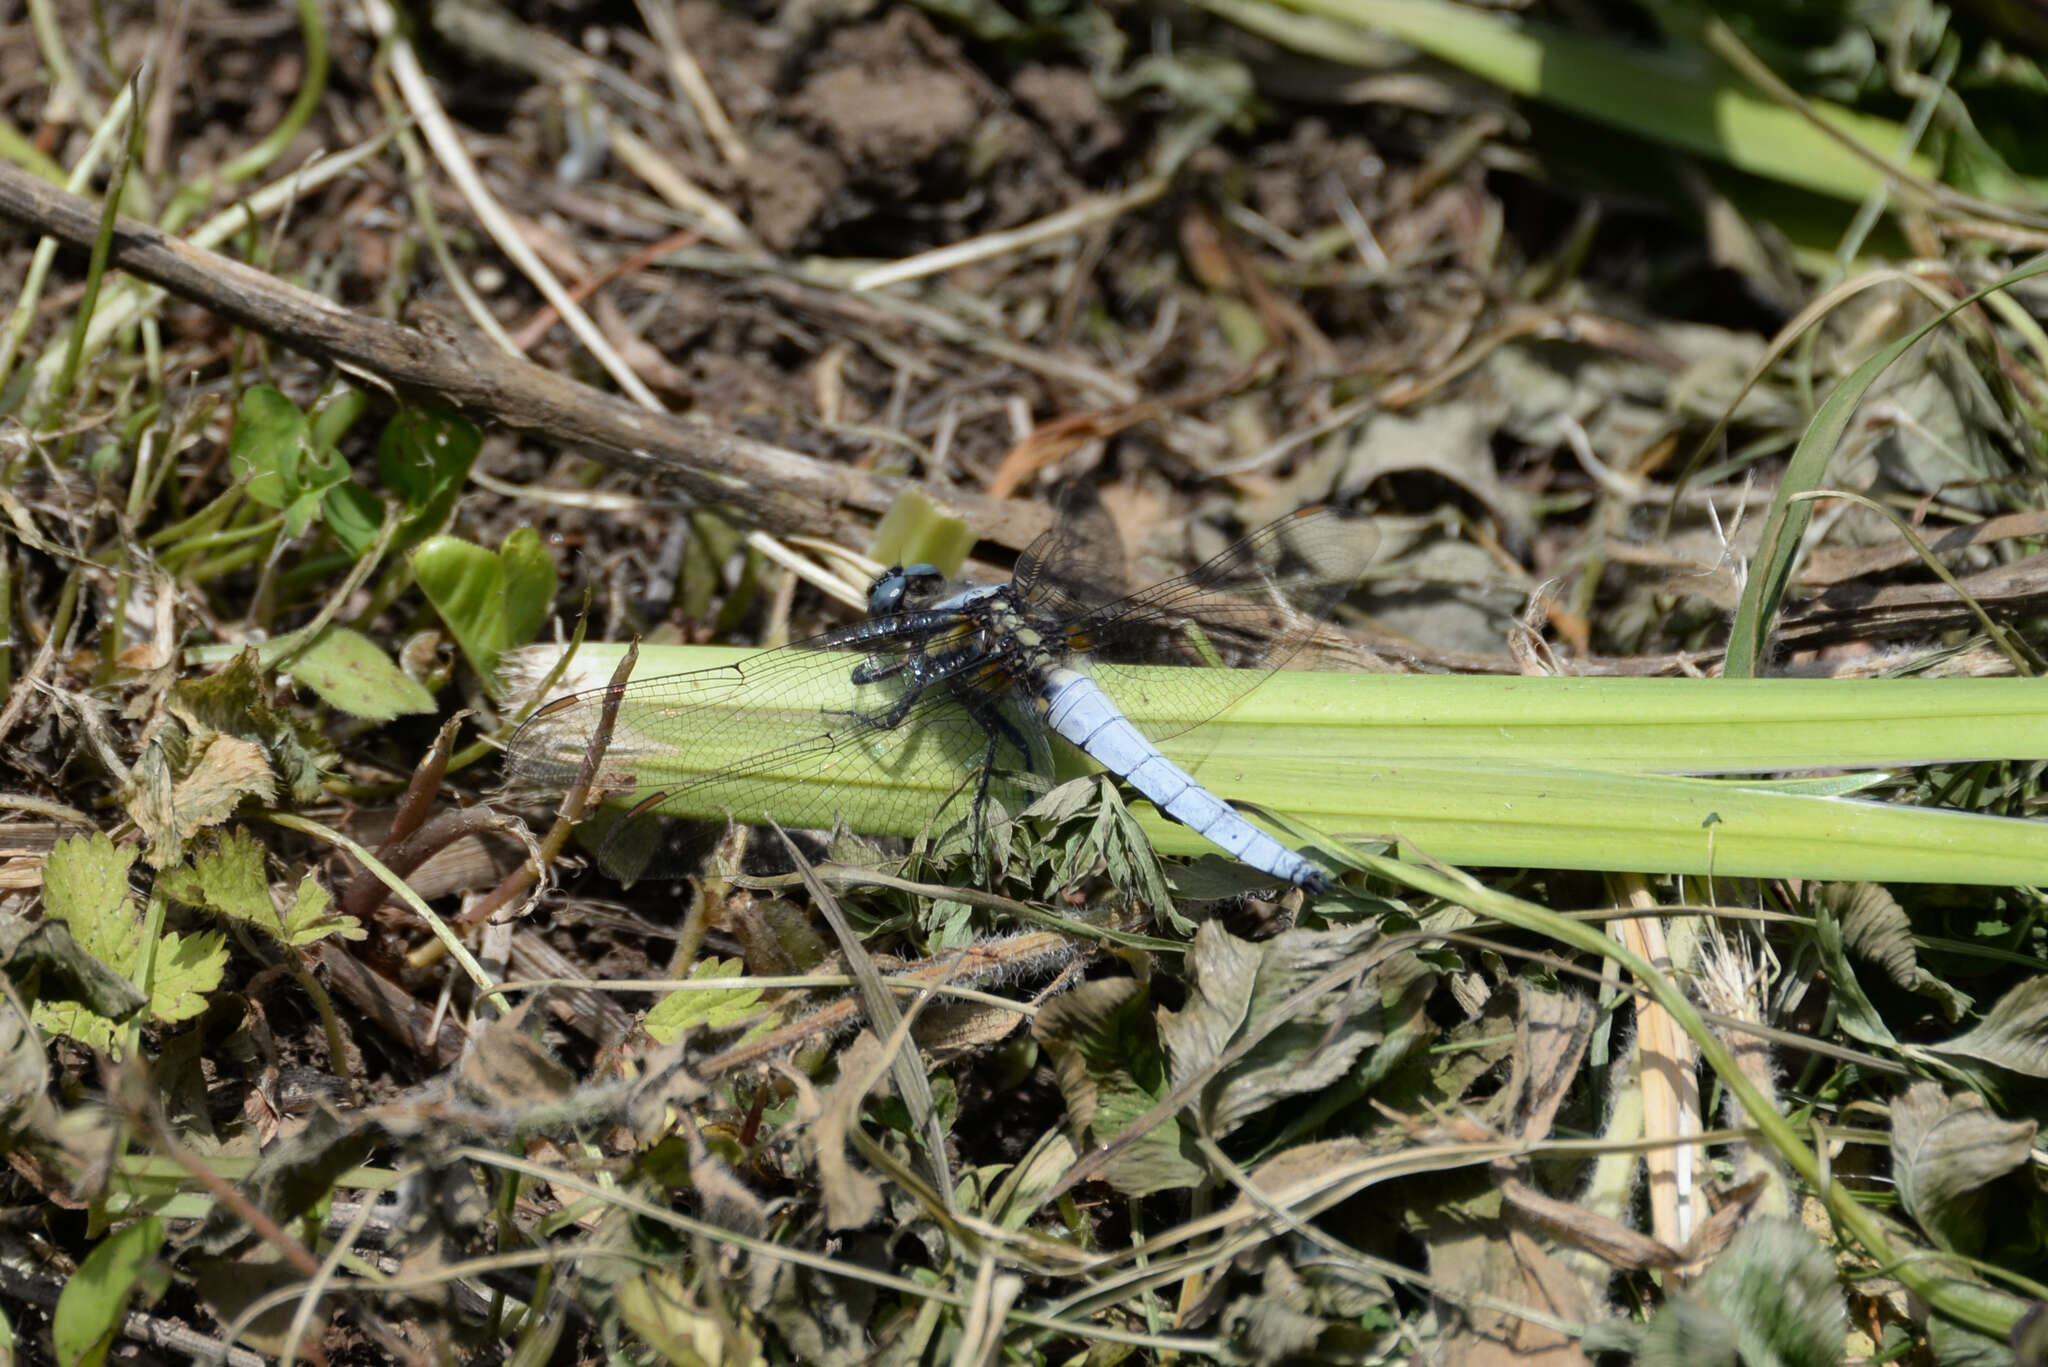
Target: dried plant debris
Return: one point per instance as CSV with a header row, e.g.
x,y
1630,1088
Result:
x,y
1693,392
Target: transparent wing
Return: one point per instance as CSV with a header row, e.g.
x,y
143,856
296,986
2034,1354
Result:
x,y
1244,613
786,734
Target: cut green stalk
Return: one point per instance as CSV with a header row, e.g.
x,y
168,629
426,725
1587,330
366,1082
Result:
x,y
1678,98
1554,773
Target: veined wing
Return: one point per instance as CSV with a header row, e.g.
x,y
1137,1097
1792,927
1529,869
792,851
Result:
x,y
786,733
1244,613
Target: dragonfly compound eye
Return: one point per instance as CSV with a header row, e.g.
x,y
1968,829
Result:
x,y
902,588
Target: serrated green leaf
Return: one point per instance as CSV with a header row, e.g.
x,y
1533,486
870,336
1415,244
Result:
x,y
187,968
679,1012
85,885
94,1302
312,916
348,671
228,877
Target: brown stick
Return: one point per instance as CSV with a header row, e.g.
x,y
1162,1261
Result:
x,y
770,486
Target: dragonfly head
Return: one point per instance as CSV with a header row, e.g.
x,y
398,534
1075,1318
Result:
x,y
904,588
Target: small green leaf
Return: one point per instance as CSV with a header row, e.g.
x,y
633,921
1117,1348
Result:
x,y
95,1299
353,514
424,456
530,583
320,471
269,441
273,450
489,601
312,916
348,671
679,1012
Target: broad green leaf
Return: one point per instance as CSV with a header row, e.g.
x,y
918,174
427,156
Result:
x,y
348,671
1945,1150
679,1012
1106,1054
94,1302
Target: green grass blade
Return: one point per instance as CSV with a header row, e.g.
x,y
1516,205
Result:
x,y
1790,513
1555,773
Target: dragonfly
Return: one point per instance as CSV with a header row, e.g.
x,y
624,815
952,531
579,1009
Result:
x,y
947,696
